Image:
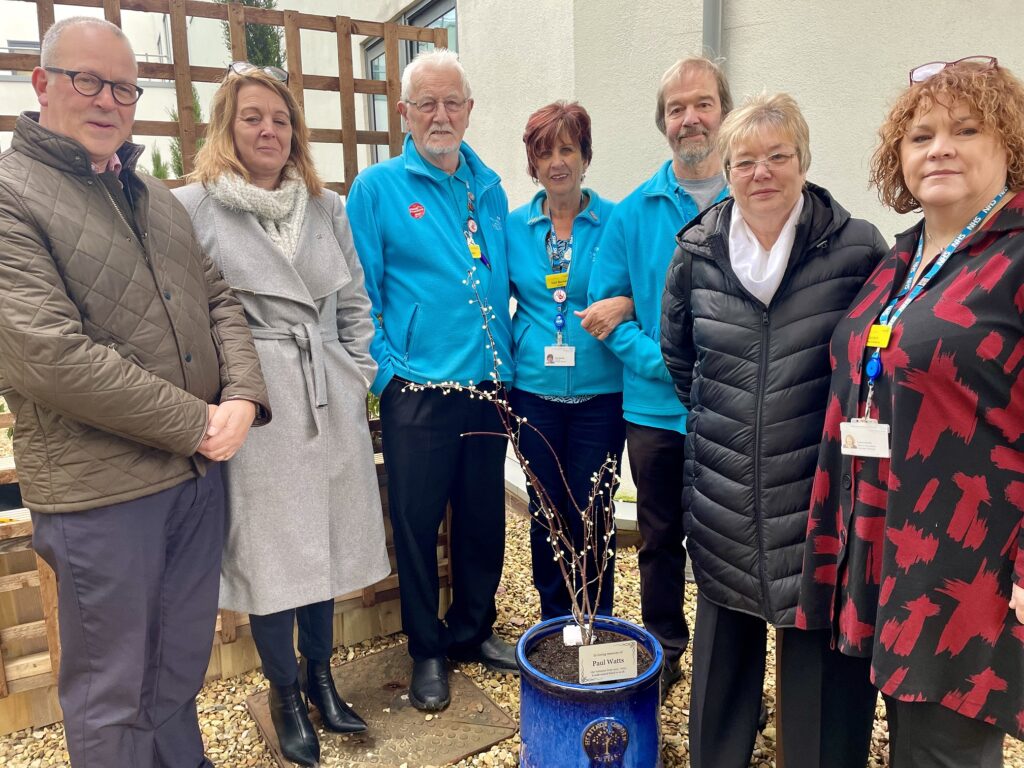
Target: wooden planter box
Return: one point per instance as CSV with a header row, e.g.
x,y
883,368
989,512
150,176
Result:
x,y
30,645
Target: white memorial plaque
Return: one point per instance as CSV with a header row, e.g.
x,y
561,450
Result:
x,y
607,662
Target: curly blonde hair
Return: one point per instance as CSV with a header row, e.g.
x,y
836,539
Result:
x,y
991,93
219,154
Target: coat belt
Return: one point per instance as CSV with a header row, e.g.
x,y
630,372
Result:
x,y
310,338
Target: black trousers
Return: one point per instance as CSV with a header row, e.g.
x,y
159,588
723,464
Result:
x,y
656,463
137,586
581,437
430,465
927,735
273,633
827,699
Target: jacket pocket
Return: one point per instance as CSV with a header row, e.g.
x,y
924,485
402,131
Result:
x,y
524,330
410,331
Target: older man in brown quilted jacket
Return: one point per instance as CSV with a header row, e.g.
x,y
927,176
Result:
x,y
132,373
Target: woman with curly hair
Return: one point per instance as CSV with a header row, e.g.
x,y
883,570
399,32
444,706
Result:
x,y
914,547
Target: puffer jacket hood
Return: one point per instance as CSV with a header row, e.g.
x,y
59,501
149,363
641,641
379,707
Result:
x,y
755,379
116,331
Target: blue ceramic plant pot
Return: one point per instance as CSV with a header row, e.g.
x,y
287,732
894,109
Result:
x,y
568,725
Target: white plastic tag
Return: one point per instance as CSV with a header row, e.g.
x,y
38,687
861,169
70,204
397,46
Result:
x,y
864,437
571,635
559,356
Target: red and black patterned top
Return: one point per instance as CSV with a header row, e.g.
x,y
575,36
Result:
x,y
910,560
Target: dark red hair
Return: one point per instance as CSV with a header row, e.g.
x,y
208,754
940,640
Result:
x,y
548,123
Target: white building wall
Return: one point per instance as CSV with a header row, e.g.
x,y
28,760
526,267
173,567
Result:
x,y
844,61
623,47
517,60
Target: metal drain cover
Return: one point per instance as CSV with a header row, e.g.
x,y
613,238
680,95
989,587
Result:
x,y
378,687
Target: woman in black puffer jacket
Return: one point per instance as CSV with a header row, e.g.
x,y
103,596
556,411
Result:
x,y
752,296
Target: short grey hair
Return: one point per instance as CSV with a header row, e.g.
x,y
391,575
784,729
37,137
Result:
x,y
777,112
438,58
680,68
48,47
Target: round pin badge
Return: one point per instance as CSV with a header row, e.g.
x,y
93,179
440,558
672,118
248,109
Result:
x,y
559,296
471,225
417,211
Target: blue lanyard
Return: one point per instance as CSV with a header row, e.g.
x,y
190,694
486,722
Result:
x,y
909,292
559,255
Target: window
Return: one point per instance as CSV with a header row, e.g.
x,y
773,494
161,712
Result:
x,y
432,14
21,46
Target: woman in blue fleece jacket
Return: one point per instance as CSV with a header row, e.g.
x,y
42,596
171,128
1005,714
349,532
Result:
x,y
568,385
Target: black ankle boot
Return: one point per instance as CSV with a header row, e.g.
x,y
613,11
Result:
x,y
318,684
291,721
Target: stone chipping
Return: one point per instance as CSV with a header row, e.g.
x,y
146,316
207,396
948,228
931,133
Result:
x,y
233,741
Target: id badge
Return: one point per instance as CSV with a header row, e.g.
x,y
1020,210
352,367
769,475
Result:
x,y
559,356
556,280
878,336
864,437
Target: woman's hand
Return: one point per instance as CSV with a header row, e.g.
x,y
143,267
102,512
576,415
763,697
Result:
x,y
602,317
1017,602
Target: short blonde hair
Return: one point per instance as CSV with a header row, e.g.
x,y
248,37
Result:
x,y
219,154
992,94
775,112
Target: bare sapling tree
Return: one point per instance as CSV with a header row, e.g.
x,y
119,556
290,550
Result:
x,y
584,565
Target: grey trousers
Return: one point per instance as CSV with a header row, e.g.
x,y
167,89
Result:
x,y
137,588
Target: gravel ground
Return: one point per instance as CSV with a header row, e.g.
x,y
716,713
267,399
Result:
x,y
233,741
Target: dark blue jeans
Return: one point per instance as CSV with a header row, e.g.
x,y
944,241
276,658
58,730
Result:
x,y
582,436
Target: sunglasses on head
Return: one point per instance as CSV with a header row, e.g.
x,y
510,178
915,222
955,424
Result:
x,y
925,71
244,68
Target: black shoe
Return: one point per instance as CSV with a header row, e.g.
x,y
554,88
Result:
x,y
671,674
494,653
317,683
428,690
291,721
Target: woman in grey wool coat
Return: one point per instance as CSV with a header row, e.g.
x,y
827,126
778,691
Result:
x,y
305,521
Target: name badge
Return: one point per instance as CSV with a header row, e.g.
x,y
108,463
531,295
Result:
x,y
864,437
559,356
878,336
556,280
474,250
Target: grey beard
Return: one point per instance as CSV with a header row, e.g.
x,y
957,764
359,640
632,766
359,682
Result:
x,y
694,155
436,151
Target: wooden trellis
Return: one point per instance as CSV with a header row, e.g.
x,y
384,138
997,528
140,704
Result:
x,y
29,644
346,84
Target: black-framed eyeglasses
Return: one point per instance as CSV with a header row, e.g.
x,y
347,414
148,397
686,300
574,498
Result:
x,y
88,84
245,67
925,71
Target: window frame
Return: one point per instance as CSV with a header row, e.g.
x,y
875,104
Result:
x,y
422,14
